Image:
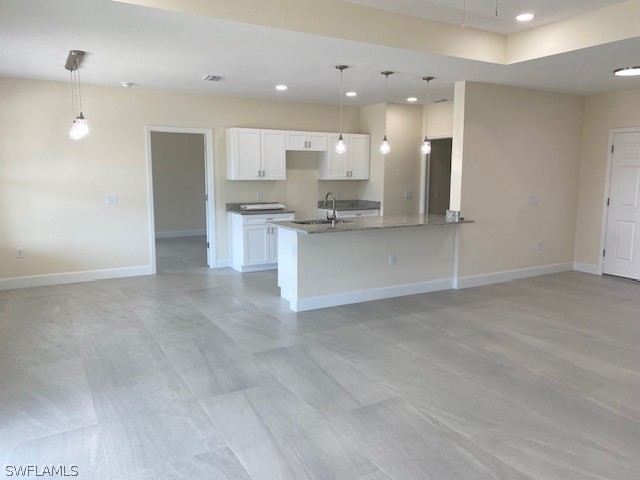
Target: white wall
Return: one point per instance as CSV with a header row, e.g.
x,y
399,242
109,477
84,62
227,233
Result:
x,y
60,185
602,113
518,142
178,182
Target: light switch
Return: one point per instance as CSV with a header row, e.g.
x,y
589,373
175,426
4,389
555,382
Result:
x,y
408,194
112,199
533,200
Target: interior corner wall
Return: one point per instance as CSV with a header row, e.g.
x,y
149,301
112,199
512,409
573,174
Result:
x,y
373,120
402,166
178,167
602,114
517,143
63,222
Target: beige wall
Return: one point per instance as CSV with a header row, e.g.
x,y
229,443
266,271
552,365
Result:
x,y
440,119
602,113
518,142
403,164
303,190
373,120
178,181
60,185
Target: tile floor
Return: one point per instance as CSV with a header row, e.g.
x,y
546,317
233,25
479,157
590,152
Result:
x,y
203,374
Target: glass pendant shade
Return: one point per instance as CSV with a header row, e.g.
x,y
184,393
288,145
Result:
x,y
426,146
79,128
341,146
384,146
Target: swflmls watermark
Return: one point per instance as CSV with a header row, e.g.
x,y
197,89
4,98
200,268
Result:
x,y
41,471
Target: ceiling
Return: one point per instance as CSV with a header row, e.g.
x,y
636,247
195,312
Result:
x,y
165,50
481,14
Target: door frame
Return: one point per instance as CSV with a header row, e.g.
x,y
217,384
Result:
x,y
424,171
607,189
210,211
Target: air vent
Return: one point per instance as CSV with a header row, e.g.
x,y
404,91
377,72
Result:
x,y
212,78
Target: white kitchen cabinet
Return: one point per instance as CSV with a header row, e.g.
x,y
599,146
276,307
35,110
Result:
x,y
306,141
322,213
358,156
254,244
352,165
255,154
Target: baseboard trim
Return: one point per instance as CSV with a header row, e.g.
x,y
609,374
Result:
x,y
73,277
508,275
224,263
358,296
586,268
181,233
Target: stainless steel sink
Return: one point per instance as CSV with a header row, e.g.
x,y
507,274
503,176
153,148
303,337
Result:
x,y
319,222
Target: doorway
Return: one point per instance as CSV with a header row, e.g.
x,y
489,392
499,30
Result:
x,y
181,209
437,179
621,252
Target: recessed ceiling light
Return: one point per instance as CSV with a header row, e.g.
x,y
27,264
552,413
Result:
x,y
126,84
412,99
281,88
351,94
627,71
525,17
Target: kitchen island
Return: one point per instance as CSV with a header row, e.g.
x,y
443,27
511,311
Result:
x,y
362,259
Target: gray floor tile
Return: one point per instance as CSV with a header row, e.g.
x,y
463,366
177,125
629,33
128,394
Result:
x,y
276,435
408,445
79,452
256,330
43,400
219,464
213,364
327,383
145,411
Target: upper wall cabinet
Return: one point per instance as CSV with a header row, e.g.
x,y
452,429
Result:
x,y
306,141
352,165
255,154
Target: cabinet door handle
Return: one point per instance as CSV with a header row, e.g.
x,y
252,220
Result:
x,y
263,174
309,143
259,173
347,173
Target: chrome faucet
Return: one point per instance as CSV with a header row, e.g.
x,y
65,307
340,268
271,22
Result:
x,y
331,216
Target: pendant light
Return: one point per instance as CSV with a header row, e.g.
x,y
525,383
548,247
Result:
x,y
426,145
384,146
80,127
341,146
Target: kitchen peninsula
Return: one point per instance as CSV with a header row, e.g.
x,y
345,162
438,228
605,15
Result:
x,y
362,259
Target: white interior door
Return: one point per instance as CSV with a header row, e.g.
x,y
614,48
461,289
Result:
x,y
622,244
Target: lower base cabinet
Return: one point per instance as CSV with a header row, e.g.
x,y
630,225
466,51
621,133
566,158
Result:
x,y
254,244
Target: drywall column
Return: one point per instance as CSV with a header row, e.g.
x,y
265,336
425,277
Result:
x,y
458,145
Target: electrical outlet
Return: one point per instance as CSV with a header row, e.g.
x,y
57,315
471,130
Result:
x,y
20,252
111,199
259,196
408,194
338,195
539,245
392,259
533,200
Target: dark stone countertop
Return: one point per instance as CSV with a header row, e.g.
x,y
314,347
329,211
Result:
x,y
237,209
342,205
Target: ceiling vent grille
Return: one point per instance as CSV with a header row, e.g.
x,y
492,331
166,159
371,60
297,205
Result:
x,y
212,78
